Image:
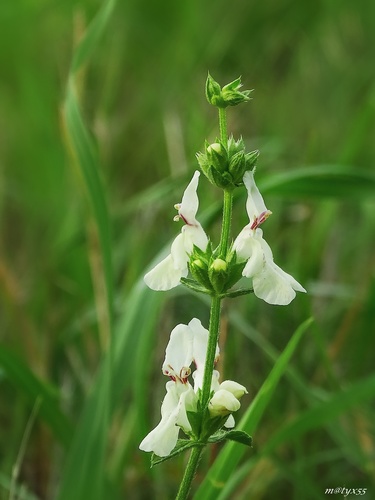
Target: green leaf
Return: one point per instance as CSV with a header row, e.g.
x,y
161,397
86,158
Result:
x,y
181,446
237,293
231,454
240,437
193,285
233,435
321,181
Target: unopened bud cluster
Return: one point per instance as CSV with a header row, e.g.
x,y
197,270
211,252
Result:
x,y
215,273
224,165
229,95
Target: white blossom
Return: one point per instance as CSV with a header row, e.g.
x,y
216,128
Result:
x,y
168,272
188,345
270,282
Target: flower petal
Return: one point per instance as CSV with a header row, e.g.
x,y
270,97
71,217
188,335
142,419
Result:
x,y
163,438
188,402
179,252
274,285
168,272
200,340
255,205
222,403
235,388
190,202
164,276
194,235
255,261
179,353
198,380
230,422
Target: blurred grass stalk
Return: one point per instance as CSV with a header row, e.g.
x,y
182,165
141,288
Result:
x,y
85,473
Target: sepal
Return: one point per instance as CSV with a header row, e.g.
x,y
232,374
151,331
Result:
x,y
232,95
222,180
195,419
218,274
217,156
237,166
229,95
251,159
199,271
213,92
211,425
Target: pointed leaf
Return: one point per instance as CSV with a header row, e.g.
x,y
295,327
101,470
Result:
x,y
181,446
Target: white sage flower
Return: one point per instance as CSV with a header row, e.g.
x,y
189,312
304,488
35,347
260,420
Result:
x,y
188,345
270,282
168,272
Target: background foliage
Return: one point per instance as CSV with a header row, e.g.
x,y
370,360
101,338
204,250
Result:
x,y
86,203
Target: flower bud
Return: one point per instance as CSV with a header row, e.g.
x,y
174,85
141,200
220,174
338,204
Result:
x,y
218,274
235,388
237,166
231,93
251,159
213,92
219,265
222,403
217,157
199,271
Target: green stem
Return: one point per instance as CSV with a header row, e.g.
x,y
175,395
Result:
x,y
213,337
214,327
225,228
190,471
223,125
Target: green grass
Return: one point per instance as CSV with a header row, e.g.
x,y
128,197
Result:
x,y
102,110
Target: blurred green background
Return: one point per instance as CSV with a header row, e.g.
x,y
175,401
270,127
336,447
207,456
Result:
x,y
84,211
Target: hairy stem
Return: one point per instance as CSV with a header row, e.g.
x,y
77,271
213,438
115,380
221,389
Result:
x,y
214,328
190,470
225,228
211,349
223,125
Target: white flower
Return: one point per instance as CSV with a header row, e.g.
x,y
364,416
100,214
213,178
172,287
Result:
x,y
270,283
168,272
188,344
163,438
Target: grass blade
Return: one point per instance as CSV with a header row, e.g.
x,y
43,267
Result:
x,y
333,181
25,380
231,454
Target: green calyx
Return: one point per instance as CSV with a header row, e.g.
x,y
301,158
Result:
x,y
229,95
214,274
224,164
